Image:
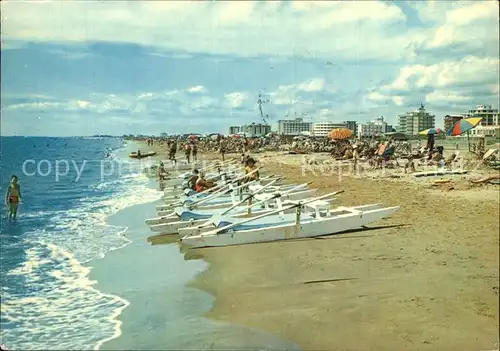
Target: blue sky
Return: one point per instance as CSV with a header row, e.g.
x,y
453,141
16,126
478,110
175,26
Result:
x,y
82,68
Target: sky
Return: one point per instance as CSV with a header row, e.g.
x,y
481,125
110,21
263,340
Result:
x,y
150,67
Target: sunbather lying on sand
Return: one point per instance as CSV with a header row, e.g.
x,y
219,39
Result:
x,y
486,179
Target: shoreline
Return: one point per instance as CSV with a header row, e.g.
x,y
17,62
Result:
x,y
163,308
268,279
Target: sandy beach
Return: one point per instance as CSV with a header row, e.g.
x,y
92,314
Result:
x,y
425,279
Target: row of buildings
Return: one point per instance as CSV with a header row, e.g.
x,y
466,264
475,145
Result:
x,y
295,126
410,123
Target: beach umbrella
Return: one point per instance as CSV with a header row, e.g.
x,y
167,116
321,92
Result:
x,y
463,126
340,134
236,136
192,137
306,133
430,131
214,136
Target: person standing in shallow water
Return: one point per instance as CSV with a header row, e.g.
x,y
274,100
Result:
x,y
13,197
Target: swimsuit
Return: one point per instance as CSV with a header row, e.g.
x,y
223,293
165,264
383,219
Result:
x,y
13,199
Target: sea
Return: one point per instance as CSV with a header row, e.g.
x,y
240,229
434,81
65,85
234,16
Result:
x,y
69,187
78,269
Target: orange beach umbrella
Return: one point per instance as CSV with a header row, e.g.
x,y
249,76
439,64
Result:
x,y
340,134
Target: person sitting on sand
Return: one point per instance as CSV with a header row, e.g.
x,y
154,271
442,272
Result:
x,y
194,178
162,173
449,160
244,159
13,197
251,167
410,165
203,184
347,154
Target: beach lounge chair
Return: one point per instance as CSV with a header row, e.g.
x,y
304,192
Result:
x,y
490,159
385,156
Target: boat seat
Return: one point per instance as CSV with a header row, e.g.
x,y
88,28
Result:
x,y
321,208
320,205
262,197
188,215
254,188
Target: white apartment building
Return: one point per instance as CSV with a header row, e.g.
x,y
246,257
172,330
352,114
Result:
x,y
413,122
489,125
376,127
321,129
487,113
293,126
256,129
234,130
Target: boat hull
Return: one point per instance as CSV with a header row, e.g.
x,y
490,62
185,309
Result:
x,y
147,154
314,228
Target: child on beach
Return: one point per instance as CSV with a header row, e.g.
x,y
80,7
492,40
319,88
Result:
x,y
13,197
251,167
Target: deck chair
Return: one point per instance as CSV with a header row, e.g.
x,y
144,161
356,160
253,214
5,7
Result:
x,y
490,160
386,156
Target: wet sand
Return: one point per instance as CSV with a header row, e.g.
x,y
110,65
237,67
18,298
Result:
x,y
425,279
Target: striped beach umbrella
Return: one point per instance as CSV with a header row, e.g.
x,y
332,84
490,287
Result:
x,y
463,126
340,134
430,131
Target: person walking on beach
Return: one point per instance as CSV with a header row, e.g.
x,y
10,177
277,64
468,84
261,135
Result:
x,y
187,152
222,149
172,151
13,197
194,149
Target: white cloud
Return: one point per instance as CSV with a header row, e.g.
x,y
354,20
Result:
x,y
449,97
472,24
236,99
468,71
197,89
335,29
445,82
291,94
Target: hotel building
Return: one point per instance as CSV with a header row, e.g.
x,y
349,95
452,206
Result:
x,y
413,122
293,126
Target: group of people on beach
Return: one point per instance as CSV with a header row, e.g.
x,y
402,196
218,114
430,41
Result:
x,y
199,183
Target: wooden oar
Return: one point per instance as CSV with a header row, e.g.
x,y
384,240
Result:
x,y
217,231
249,196
275,195
226,185
210,221
219,188
217,194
